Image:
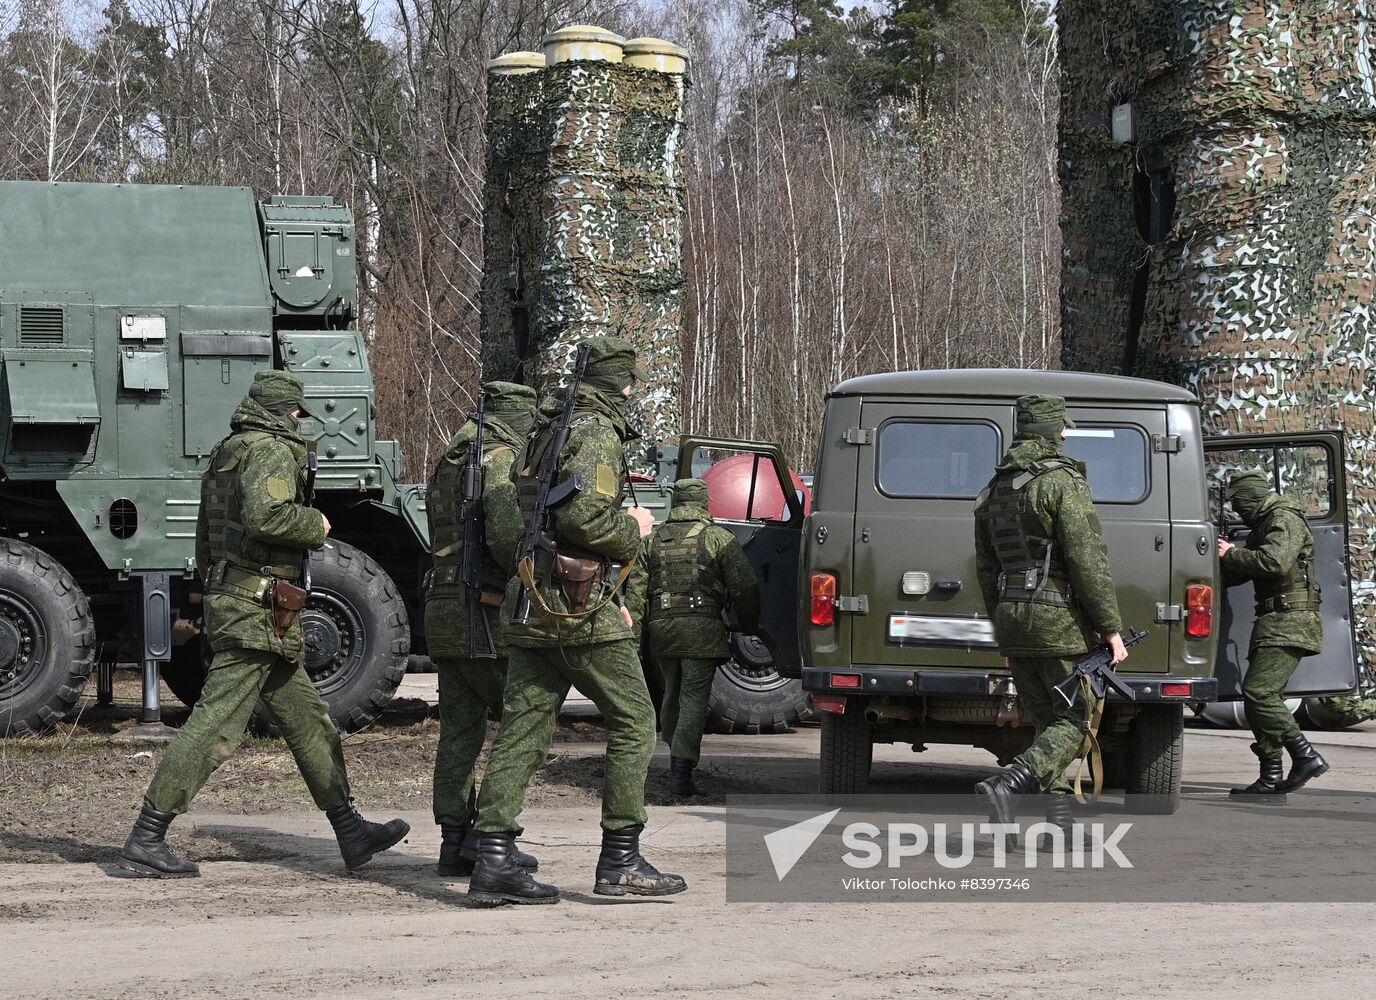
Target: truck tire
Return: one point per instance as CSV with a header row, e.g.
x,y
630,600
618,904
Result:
x,y
753,700
47,640
846,753
1157,758
358,638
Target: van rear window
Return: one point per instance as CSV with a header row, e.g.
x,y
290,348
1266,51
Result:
x,y
932,458
1116,459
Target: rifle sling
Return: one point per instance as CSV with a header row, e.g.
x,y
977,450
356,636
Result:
x,y
525,569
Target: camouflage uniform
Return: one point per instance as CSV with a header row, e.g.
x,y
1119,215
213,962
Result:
x,y
696,571
594,650
1044,575
252,530
1279,559
470,687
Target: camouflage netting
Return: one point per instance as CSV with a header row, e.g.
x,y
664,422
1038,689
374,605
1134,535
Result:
x,y
1260,295
601,243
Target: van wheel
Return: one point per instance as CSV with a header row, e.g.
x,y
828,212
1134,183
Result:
x,y
1157,736
47,640
846,753
754,700
1116,764
358,638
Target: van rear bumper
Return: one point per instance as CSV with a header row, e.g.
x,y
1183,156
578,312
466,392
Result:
x,y
861,681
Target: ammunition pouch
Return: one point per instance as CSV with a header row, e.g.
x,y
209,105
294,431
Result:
x,y
286,600
1295,600
576,577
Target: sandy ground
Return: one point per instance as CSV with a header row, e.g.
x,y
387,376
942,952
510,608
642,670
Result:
x,y
274,913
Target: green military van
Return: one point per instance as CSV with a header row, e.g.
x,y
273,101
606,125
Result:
x,y
894,644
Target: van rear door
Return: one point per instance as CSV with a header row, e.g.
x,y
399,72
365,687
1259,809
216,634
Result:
x,y
1308,467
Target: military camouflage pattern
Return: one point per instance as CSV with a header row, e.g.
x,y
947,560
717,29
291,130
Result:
x,y
1060,502
254,479
469,690
1279,543
726,580
687,693
1269,669
1260,297
598,224
592,524
1060,727
237,678
538,681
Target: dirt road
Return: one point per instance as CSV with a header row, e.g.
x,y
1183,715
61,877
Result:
x,y
274,914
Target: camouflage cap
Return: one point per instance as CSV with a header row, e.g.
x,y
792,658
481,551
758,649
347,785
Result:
x,y
612,356
507,396
1041,408
279,393
690,491
1249,484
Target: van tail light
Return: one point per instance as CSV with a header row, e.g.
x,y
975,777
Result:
x,y
833,703
823,599
1177,690
1199,611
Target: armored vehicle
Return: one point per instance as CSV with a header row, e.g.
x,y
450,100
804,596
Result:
x,y
132,321
895,644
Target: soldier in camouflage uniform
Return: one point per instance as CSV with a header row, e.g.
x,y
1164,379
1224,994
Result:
x,y
471,686
1044,574
252,531
589,641
1279,559
696,570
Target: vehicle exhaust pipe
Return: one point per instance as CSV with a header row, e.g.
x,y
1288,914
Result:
x,y
890,713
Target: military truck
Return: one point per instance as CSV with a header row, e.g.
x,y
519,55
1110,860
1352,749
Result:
x,y
894,644
132,320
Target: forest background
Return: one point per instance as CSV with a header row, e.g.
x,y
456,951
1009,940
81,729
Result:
x,y
869,189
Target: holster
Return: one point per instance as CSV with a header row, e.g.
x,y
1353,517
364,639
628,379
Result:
x,y
576,577
286,601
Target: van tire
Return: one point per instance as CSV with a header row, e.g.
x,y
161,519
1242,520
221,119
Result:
x,y
752,701
847,752
1157,760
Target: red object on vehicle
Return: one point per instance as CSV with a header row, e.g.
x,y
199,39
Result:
x,y
728,489
823,599
1199,610
1176,690
833,703
845,680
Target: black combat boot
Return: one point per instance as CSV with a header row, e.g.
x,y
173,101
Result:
x,y
359,839
1306,764
1058,814
471,852
681,778
1267,785
621,870
1003,789
499,878
145,852
452,862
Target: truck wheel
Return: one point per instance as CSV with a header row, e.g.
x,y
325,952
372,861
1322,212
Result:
x,y
358,637
846,753
754,700
47,640
1115,768
1158,757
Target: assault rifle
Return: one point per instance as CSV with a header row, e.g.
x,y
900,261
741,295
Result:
x,y
1097,668
548,496
474,538
312,467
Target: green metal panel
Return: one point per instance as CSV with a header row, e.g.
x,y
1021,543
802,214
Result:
x,y
144,371
164,525
310,256
51,390
334,366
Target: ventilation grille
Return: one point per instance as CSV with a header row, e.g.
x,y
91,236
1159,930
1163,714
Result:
x,y
39,325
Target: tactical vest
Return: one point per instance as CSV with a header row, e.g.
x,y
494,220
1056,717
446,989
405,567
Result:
x,y
1298,590
230,547
680,583
1031,567
444,510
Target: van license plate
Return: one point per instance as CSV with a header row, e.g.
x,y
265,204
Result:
x,y
942,631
